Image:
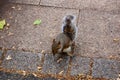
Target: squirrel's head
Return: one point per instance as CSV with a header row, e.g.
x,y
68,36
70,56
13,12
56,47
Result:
x,y
69,19
56,46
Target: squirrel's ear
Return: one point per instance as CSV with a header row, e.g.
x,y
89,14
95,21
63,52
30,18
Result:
x,y
53,40
72,17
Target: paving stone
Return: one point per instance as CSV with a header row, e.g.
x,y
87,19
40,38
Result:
x,y
96,33
61,3
53,66
15,76
1,52
10,76
35,2
80,65
109,69
107,5
31,77
22,61
25,34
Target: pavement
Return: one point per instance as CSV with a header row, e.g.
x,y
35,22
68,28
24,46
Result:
x,y
25,49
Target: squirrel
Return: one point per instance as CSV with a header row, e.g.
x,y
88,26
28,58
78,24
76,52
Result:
x,y
62,43
65,41
68,27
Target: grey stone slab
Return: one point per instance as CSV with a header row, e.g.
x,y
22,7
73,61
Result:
x,y
1,52
35,2
109,69
18,60
61,3
25,34
53,66
10,76
16,76
107,5
80,65
31,77
96,33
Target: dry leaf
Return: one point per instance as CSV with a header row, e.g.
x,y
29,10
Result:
x,y
60,59
116,40
24,73
43,51
10,34
61,72
1,37
34,74
39,68
89,77
8,57
10,17
19,8
40,42
112,56
118,77
81,76
13,7
13,47
7,24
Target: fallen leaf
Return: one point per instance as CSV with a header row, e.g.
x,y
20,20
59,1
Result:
x,y
1,37
89,77
40,42
112,56
24,73
115,40
8,57
13,47
10,34
118,78
61,72
43,51
81,76
11,17
19,8
39,68
2,24
60,59
34,74
37,22
13,7
7,24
